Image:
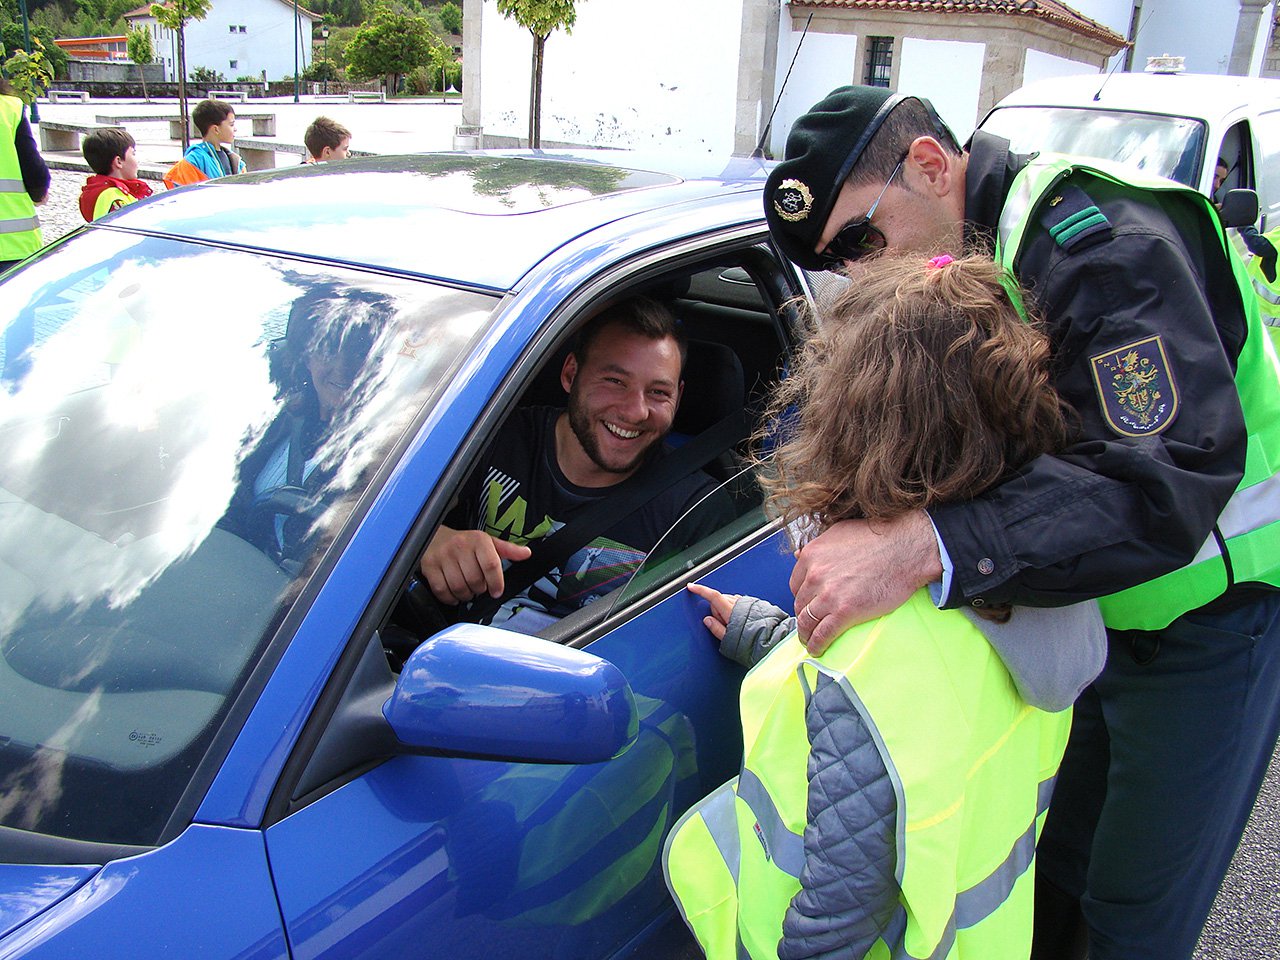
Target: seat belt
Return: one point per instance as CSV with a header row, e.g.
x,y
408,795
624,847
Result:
x,y
602,515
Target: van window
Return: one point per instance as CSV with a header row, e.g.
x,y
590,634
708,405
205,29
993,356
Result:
x,y
1161,145
1267,126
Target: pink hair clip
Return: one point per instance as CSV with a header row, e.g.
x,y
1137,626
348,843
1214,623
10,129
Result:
x,y
941,261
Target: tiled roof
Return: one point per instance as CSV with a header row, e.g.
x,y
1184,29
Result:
x,y
1050,11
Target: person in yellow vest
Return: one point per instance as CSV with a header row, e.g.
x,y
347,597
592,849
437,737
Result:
x,y
1166,508
112,155
24,181
1261,263
892,789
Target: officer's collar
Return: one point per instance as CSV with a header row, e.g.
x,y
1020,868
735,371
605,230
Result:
x,y
988,176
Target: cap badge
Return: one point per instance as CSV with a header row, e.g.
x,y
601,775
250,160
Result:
x,y
792,200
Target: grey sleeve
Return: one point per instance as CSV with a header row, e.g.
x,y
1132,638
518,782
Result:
x,y
848,885
754,627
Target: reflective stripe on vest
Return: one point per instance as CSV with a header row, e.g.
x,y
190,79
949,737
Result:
x,y
731,861
19,226
1250,522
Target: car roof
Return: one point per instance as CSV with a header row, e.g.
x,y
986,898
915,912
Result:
x,y
482,219
1199,96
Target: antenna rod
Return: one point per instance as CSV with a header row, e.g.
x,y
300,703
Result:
x,y
758,152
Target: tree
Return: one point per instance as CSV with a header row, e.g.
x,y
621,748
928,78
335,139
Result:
x,y
176,14
451,17
30,74
138,46
541,18
389,46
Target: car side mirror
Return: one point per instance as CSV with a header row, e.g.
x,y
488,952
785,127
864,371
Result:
x,y
480,691
1239,208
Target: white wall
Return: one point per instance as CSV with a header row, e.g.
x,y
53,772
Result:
x,y
1045,66
825,62
267,43
947,73
666,78
1203,31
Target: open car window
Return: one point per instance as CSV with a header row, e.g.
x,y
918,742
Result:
x,y
736,346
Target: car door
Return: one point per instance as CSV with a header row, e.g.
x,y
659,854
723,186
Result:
x,y
445,856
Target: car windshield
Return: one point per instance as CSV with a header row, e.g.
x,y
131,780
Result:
x,y
1165,146
183,431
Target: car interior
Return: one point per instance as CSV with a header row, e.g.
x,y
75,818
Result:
x,y
737,342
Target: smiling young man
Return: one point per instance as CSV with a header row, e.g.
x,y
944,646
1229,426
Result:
x,y
624,381
1168,495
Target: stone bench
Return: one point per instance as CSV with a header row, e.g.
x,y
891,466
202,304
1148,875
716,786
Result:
x,y
261,154
373,96
264,124
59,137
238,95
56,96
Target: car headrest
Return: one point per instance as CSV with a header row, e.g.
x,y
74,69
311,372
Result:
x,y
714,387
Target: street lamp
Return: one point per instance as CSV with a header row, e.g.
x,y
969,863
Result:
x,y
297,42
26,39
324,35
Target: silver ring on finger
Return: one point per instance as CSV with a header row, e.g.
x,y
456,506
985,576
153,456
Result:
x,y
806,612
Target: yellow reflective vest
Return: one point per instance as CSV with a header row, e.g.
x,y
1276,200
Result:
x,y
969,763
19,228
1244,546
1267,291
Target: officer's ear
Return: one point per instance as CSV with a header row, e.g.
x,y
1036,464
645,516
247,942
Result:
x,y
932,168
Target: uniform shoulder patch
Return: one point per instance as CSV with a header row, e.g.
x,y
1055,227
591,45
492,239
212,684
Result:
x,y
1073,219
1136,388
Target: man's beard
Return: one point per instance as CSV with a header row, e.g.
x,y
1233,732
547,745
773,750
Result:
x,y
580,423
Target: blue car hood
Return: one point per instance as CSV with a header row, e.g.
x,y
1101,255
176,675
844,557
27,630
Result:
x,y
27,889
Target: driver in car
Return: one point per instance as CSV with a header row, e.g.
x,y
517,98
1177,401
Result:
x,y
547,465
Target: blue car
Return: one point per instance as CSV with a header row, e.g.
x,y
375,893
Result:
x,y
234,723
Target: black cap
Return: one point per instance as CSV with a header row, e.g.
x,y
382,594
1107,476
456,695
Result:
x,y
822,148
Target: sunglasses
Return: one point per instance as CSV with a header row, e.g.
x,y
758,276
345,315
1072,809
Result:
x,y
857,238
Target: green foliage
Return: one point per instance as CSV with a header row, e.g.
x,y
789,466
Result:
x,y
11,40
141,51
207,75
30,74
390,45
139,46
451,17
248,79
176,14
101,17
321,69
541,17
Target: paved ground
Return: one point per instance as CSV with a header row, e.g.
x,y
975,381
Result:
x,y
1245,924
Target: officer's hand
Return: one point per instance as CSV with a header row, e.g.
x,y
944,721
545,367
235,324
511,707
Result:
x,y
459,565
721,607
857,571
1264,250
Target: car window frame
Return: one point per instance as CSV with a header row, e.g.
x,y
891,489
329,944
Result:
x,y
778,288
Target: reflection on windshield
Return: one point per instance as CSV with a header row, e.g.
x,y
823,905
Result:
x,y
177,448
1163,146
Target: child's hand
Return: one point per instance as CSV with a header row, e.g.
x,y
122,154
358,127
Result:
x,y
721,607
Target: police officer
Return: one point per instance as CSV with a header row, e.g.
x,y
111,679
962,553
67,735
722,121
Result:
x,y
1166,496
24,182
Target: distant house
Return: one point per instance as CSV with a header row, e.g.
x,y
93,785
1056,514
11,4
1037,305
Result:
x,y
239,38
620,80
103,49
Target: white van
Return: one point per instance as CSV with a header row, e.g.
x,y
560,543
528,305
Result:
x,y
1171,124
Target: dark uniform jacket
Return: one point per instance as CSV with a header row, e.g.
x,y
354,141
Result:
x,y
1110,511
